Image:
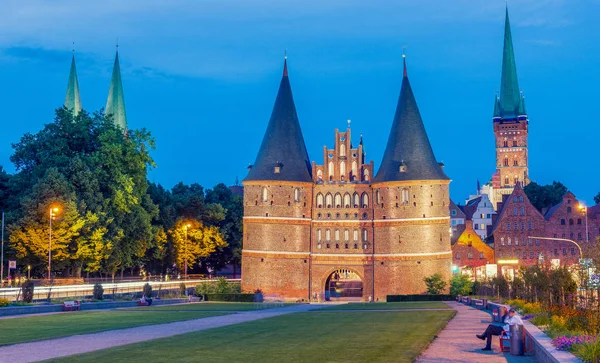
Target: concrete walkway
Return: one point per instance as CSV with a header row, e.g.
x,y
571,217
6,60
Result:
x,y
457,342
77,344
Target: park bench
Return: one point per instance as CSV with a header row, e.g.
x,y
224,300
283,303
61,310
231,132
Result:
x,y
143,303
193,298
71,305
479,304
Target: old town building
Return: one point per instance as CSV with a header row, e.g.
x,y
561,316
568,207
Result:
x,y
524,237
472,256
337,229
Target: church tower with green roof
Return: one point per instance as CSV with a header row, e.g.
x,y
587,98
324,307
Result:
x,y
511,126
115,105
73,99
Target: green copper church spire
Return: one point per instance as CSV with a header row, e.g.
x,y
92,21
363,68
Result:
x,y
510,97
72,99
115,105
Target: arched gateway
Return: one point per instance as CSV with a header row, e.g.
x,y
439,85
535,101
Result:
x,y
343,284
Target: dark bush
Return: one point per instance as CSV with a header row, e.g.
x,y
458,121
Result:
x,y
401,298
182,289
27,291
230,297
147,290
98,292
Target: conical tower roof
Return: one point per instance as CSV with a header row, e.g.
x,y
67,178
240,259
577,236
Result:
x,y
115,105
282,155
72,99
511,104
408,154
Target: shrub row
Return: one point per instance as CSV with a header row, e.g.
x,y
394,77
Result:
x,y
229,297
401,298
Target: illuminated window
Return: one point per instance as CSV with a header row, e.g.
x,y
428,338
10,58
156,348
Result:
x,y
319,200
265,195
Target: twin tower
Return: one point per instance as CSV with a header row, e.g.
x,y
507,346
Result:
x,y
338,230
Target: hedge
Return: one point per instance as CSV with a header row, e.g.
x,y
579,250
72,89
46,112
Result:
x,y
229,297
400,298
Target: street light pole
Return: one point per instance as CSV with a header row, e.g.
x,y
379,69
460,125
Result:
x,y
52,214
185,228
2,255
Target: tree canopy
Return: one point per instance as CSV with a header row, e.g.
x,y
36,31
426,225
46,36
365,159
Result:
x,y
545,196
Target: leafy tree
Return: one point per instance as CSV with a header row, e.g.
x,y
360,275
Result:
x,y
4,189
597,198
435,284
460,285
201,241
544,196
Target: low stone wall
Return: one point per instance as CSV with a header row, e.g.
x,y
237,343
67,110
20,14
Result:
x,y
41,309
542,347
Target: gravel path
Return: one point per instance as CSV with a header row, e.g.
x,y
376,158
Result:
x,y
77,344
457,342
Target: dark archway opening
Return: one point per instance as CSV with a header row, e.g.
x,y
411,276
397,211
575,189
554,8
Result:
x,y
343,285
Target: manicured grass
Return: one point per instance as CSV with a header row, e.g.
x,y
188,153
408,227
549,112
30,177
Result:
x,y
301,337
390,306
27,329
209,306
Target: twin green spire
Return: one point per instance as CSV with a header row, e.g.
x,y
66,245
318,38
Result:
x,y
72,99
115,105
510,104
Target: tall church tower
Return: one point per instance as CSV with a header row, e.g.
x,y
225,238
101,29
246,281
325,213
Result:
x,y
115,104
72,98
411,201
511,126
277,206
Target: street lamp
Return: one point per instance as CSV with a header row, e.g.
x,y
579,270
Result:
x,y
28,272
583,208
185,228
53,212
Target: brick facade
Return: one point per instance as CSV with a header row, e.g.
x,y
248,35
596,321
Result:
x,y
470,254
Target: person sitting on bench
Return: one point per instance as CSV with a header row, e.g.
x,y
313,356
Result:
x,y
145,300
510,319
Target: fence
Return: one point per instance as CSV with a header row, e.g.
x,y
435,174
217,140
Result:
x,y
55,292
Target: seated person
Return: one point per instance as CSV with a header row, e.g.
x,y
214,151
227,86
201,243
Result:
x,y
510,319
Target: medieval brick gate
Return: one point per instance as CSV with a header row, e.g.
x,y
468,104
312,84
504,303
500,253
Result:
x,y
343,285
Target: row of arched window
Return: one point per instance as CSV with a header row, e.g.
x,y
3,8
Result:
x,y
508,241
469,256
353,175
516,225
347,201
337,235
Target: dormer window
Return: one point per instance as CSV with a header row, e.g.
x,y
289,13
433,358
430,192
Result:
x,y
277,168
402,167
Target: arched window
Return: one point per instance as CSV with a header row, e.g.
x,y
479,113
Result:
x,y
509,241
354,169
320,175
319,235
365,200
319,200
347,201
505,142
522,226
355,234
506,161
329,200
346,235
529,226
366,175
516,179
521,199
506,180
571,222
328,235
337,234
365,235
470,256
377,196
502,241
343,168
342,150
515,162
522,211
356,200
457,256
265,195
338,200
406,197
514,211
297,195
514,142
330,170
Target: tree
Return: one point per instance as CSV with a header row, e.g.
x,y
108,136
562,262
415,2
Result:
x,y
201,241
435,284
597,198
545,196
460,285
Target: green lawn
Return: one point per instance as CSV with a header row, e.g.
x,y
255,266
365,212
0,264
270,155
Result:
x,y
390,306
27,329
209,306
301,337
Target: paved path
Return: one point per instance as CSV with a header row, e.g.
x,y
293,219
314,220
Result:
x,y
457,342
77,344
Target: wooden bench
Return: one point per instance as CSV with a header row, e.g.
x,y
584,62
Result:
x,y
479,304
71,306
504,339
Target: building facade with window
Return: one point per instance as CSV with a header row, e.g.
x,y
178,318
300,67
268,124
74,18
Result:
x,y
472,256
524,237
338,230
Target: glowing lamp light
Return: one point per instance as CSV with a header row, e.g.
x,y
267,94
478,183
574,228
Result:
x,y
454,268
508,262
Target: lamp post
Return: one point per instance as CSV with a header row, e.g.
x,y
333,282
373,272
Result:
x,y
52,214
583,208
2,255
28,272
185,228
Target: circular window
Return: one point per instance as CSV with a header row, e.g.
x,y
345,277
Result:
x,y
342,139
331,156
354,155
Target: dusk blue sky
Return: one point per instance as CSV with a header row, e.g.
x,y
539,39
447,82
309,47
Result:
x,y
202,77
